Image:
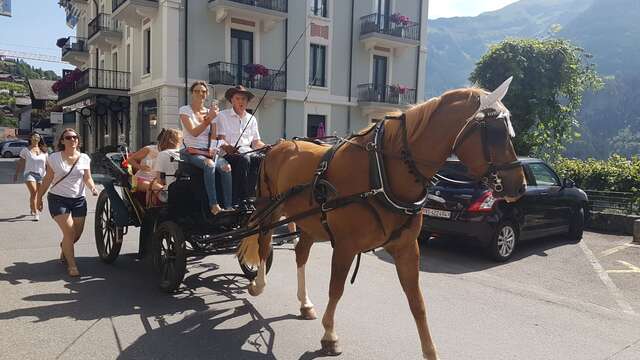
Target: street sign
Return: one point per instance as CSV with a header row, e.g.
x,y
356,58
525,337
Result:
x,y
56,117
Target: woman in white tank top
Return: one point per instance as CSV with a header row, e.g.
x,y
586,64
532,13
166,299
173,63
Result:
x,y
32,164
199,131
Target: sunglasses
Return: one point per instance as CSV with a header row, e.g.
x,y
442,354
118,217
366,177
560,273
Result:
x,y
71,137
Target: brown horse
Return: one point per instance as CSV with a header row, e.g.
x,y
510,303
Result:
x,y
472,123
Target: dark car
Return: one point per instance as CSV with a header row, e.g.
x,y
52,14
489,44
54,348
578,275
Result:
x,y
460,207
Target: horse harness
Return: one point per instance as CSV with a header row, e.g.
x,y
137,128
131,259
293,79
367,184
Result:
x,y
325,194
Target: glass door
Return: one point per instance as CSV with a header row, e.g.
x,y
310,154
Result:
x,y
241,55
379,77
384,10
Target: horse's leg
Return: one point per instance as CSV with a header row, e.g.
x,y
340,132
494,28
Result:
x,y
406,255
303,247
257,285
340,264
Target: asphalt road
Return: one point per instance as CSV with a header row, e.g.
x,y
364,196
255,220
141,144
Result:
x,y
555,300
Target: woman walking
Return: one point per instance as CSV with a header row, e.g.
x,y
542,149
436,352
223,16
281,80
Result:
x,y
32,164
69,171
199,131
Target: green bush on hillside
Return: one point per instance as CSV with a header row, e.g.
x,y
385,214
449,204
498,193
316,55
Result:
x,y
615,174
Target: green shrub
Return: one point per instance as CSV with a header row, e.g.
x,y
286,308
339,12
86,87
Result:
x,y
615,174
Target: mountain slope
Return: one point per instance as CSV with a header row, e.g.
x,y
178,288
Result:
x,y
454,45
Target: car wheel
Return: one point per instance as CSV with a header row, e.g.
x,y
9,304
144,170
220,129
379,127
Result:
x,y
503,242
7,154
576,227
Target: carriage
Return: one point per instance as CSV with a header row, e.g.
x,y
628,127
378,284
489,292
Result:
x,y
174,223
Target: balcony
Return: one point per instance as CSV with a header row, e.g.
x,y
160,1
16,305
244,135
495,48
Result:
x,y
389,31
379,99
75,51
224,75
133,11
95,82
104,32
266,12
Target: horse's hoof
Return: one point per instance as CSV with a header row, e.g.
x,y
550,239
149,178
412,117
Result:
x,y
255,290
308,313
330,347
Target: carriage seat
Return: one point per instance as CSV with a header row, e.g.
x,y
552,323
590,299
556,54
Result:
x,y
194,177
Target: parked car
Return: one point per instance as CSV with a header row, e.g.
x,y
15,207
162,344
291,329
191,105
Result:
x,y
13,148
462,208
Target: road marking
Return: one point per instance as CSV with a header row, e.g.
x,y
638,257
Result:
x,y
613,289
631,268
618,248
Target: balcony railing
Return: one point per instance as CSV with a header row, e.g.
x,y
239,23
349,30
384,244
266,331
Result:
x,y
389,94
233,74
74,44
390,25
277,5
97,79
116,4
102,22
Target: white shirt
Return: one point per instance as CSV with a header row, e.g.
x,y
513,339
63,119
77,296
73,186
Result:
x,y
201,141
231,124
34,163
163,164
73,185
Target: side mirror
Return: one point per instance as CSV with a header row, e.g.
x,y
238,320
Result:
x,y
568,183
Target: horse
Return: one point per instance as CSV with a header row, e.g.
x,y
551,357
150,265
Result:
x,y
471,123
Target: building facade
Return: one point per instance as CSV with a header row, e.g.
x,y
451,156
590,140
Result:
x,y
317,67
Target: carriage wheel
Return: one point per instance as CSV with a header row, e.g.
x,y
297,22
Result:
x,y
169,255
108,234
252,271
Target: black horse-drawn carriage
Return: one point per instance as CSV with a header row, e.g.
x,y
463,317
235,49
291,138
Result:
x,y
174,223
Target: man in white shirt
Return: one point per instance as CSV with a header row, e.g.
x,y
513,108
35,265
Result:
x,y
240,130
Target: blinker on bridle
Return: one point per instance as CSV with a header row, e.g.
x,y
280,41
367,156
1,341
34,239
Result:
x,y
480,121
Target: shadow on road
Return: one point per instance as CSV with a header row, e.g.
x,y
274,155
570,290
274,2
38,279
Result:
x,y
16,219
127,288
458,256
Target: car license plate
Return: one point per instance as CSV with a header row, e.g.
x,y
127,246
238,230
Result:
x,y
437,213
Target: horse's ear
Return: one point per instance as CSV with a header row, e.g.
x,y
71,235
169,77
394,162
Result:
x,y
487,101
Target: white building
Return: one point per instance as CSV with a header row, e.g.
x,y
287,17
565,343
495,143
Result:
x,y
349,62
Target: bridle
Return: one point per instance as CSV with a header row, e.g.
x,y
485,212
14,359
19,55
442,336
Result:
x,y
487,121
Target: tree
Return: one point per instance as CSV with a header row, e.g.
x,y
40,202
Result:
x,y
550,78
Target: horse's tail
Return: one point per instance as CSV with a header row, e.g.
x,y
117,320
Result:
x,y
255,248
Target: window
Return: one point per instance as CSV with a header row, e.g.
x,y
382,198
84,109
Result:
x,y
146,46
316,125
543,175
319,7
317,65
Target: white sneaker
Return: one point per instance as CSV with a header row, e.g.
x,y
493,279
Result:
x,y
36,217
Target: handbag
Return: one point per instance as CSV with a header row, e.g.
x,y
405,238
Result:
x,y
208,152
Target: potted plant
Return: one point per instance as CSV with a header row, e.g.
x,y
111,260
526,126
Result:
x,y
399,23
67,81
395,91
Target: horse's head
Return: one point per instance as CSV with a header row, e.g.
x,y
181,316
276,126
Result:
x,y
484,145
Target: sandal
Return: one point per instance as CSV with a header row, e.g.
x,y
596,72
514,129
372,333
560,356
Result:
x,y
73,271
216,209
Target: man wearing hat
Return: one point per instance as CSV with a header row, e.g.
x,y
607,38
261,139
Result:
x,y
240,130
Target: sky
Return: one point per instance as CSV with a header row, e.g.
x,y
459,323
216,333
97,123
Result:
x,y
37,24
451,8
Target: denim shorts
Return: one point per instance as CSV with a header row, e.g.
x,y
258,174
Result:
x,y
59,205
33,176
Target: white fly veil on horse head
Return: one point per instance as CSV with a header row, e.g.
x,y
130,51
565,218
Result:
x,y
493,101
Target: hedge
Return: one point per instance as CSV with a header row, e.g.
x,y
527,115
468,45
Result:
x,y
615,174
